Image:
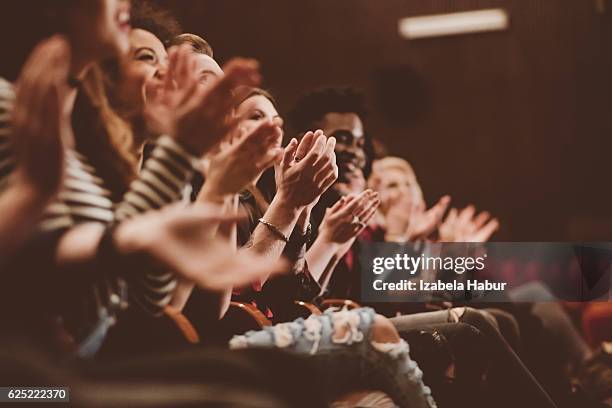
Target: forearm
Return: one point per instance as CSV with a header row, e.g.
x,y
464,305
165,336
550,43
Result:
x,y
303,221
184,287
79,245
183,291
21,207
321,257
263,240
209,194
161,180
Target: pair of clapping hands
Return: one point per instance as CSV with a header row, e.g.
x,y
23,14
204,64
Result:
x,y
408,222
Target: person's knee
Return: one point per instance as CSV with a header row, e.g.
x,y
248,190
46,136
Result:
x,y
508,326
383,331
482,320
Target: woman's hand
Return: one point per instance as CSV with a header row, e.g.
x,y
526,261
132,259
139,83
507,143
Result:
x,y
40,120
307,170
398,215
197,117
242,160
341,225
466,226
424,222
346,219
204,118
164,99
173,237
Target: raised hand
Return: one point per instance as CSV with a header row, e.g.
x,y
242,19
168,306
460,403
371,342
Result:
x,y
307,170
346,219
341,225
204,115
424,222
398,213
40,120
174,238
198,117
466,226
243,158
163,99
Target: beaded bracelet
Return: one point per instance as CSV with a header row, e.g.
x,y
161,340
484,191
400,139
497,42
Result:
x,y
274,230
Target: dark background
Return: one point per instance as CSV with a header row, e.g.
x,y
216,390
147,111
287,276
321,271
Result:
x,y
517,122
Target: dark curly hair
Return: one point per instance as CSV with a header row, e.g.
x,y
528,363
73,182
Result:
x,y
313,106
147,16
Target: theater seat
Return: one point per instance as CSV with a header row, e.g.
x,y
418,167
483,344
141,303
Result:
x,y
307,308
183,324
242,317
339,303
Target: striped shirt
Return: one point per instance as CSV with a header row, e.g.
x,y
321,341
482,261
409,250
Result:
x,y
84,198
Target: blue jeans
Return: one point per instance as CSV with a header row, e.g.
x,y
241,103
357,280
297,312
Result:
x,y
341,340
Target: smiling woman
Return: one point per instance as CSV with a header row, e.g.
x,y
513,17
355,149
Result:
x,y
132,78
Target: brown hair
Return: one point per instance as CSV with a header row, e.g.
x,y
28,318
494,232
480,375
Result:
x,y
266,185
102,136
242,93
197,43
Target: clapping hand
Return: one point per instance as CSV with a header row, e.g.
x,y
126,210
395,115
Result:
x,y
40,120
307,169
346,219
174,238
198,117
466,226
424,222
243,158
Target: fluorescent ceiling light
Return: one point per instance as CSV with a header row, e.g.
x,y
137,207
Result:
x,y
454,23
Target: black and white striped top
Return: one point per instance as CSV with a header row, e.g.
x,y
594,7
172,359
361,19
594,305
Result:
x,y
84,198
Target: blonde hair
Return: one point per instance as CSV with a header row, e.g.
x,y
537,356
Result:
x,y
379,167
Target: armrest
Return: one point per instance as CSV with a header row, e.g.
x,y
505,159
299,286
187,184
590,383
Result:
x,y
308,307
183,324
245,311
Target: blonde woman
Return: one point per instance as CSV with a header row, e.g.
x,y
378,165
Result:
x,y
403,215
